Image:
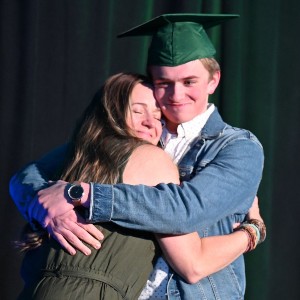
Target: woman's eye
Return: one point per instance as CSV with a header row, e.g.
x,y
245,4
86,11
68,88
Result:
x,y
157,117
137,112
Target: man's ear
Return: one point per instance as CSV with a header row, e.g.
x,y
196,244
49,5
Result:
x,y
214,82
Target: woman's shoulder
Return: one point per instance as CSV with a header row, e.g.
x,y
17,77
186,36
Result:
x,y
150,165
153,152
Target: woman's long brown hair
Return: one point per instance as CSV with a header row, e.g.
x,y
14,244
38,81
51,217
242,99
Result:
x,y
102,140
101,143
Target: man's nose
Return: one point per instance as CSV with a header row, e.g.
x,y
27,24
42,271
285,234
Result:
x,y
176,93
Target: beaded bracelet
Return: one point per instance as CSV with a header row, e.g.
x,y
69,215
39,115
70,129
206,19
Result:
x,y
256,231
261,227
252,236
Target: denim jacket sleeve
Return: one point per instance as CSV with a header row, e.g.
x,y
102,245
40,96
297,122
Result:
x,y
33,177
227,185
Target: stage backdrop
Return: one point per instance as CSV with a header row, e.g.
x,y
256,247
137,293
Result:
x,y
55,54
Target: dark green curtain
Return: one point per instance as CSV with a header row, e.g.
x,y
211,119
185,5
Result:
x,y
55,54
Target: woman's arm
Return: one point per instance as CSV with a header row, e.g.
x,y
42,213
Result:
x,y
194,258
190,256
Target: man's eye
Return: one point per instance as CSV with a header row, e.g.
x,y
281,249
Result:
x,y
161,84
189,82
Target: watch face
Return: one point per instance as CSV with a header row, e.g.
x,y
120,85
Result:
x,y
75,192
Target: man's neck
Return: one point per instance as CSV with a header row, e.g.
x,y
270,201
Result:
x,y
172,127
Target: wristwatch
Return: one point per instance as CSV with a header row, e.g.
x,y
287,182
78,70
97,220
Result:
x,y
75,192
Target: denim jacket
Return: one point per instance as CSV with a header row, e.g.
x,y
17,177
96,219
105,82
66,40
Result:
x,y
220,175
221,172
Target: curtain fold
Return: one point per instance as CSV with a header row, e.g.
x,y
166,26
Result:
x,y
56,54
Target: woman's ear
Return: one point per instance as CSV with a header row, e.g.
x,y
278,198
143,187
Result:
x,y
214,82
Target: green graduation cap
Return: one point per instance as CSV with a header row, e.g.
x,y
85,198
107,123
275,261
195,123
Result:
x,y
178,38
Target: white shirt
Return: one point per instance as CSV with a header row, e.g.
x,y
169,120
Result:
x,y
176,144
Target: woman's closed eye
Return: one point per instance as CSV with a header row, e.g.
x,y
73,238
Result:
x,y
138,112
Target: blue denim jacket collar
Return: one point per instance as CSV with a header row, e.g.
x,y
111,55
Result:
x,y
214,126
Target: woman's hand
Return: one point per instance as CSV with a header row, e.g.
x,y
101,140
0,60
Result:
x,y
254,211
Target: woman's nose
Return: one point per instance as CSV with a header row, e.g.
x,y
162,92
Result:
x,y
149,121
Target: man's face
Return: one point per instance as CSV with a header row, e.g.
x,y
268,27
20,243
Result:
x,y
182,91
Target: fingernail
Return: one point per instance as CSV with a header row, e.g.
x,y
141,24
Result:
x,y
97,246
87,252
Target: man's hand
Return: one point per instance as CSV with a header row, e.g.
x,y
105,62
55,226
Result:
x,y
70,229
56,213
49,203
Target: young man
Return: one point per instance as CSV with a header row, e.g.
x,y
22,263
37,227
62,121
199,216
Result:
x,y
220,166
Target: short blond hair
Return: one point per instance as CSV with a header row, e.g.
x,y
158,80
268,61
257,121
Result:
x,y
211,65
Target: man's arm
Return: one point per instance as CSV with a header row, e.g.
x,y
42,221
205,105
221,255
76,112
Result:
x,y
38,203
226,186
25,184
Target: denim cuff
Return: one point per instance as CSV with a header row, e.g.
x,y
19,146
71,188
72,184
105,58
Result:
x,y
101,203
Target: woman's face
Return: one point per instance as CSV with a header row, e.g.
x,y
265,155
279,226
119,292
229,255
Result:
x,y
144,114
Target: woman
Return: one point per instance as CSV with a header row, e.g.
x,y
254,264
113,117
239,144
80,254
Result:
x,y
114,142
